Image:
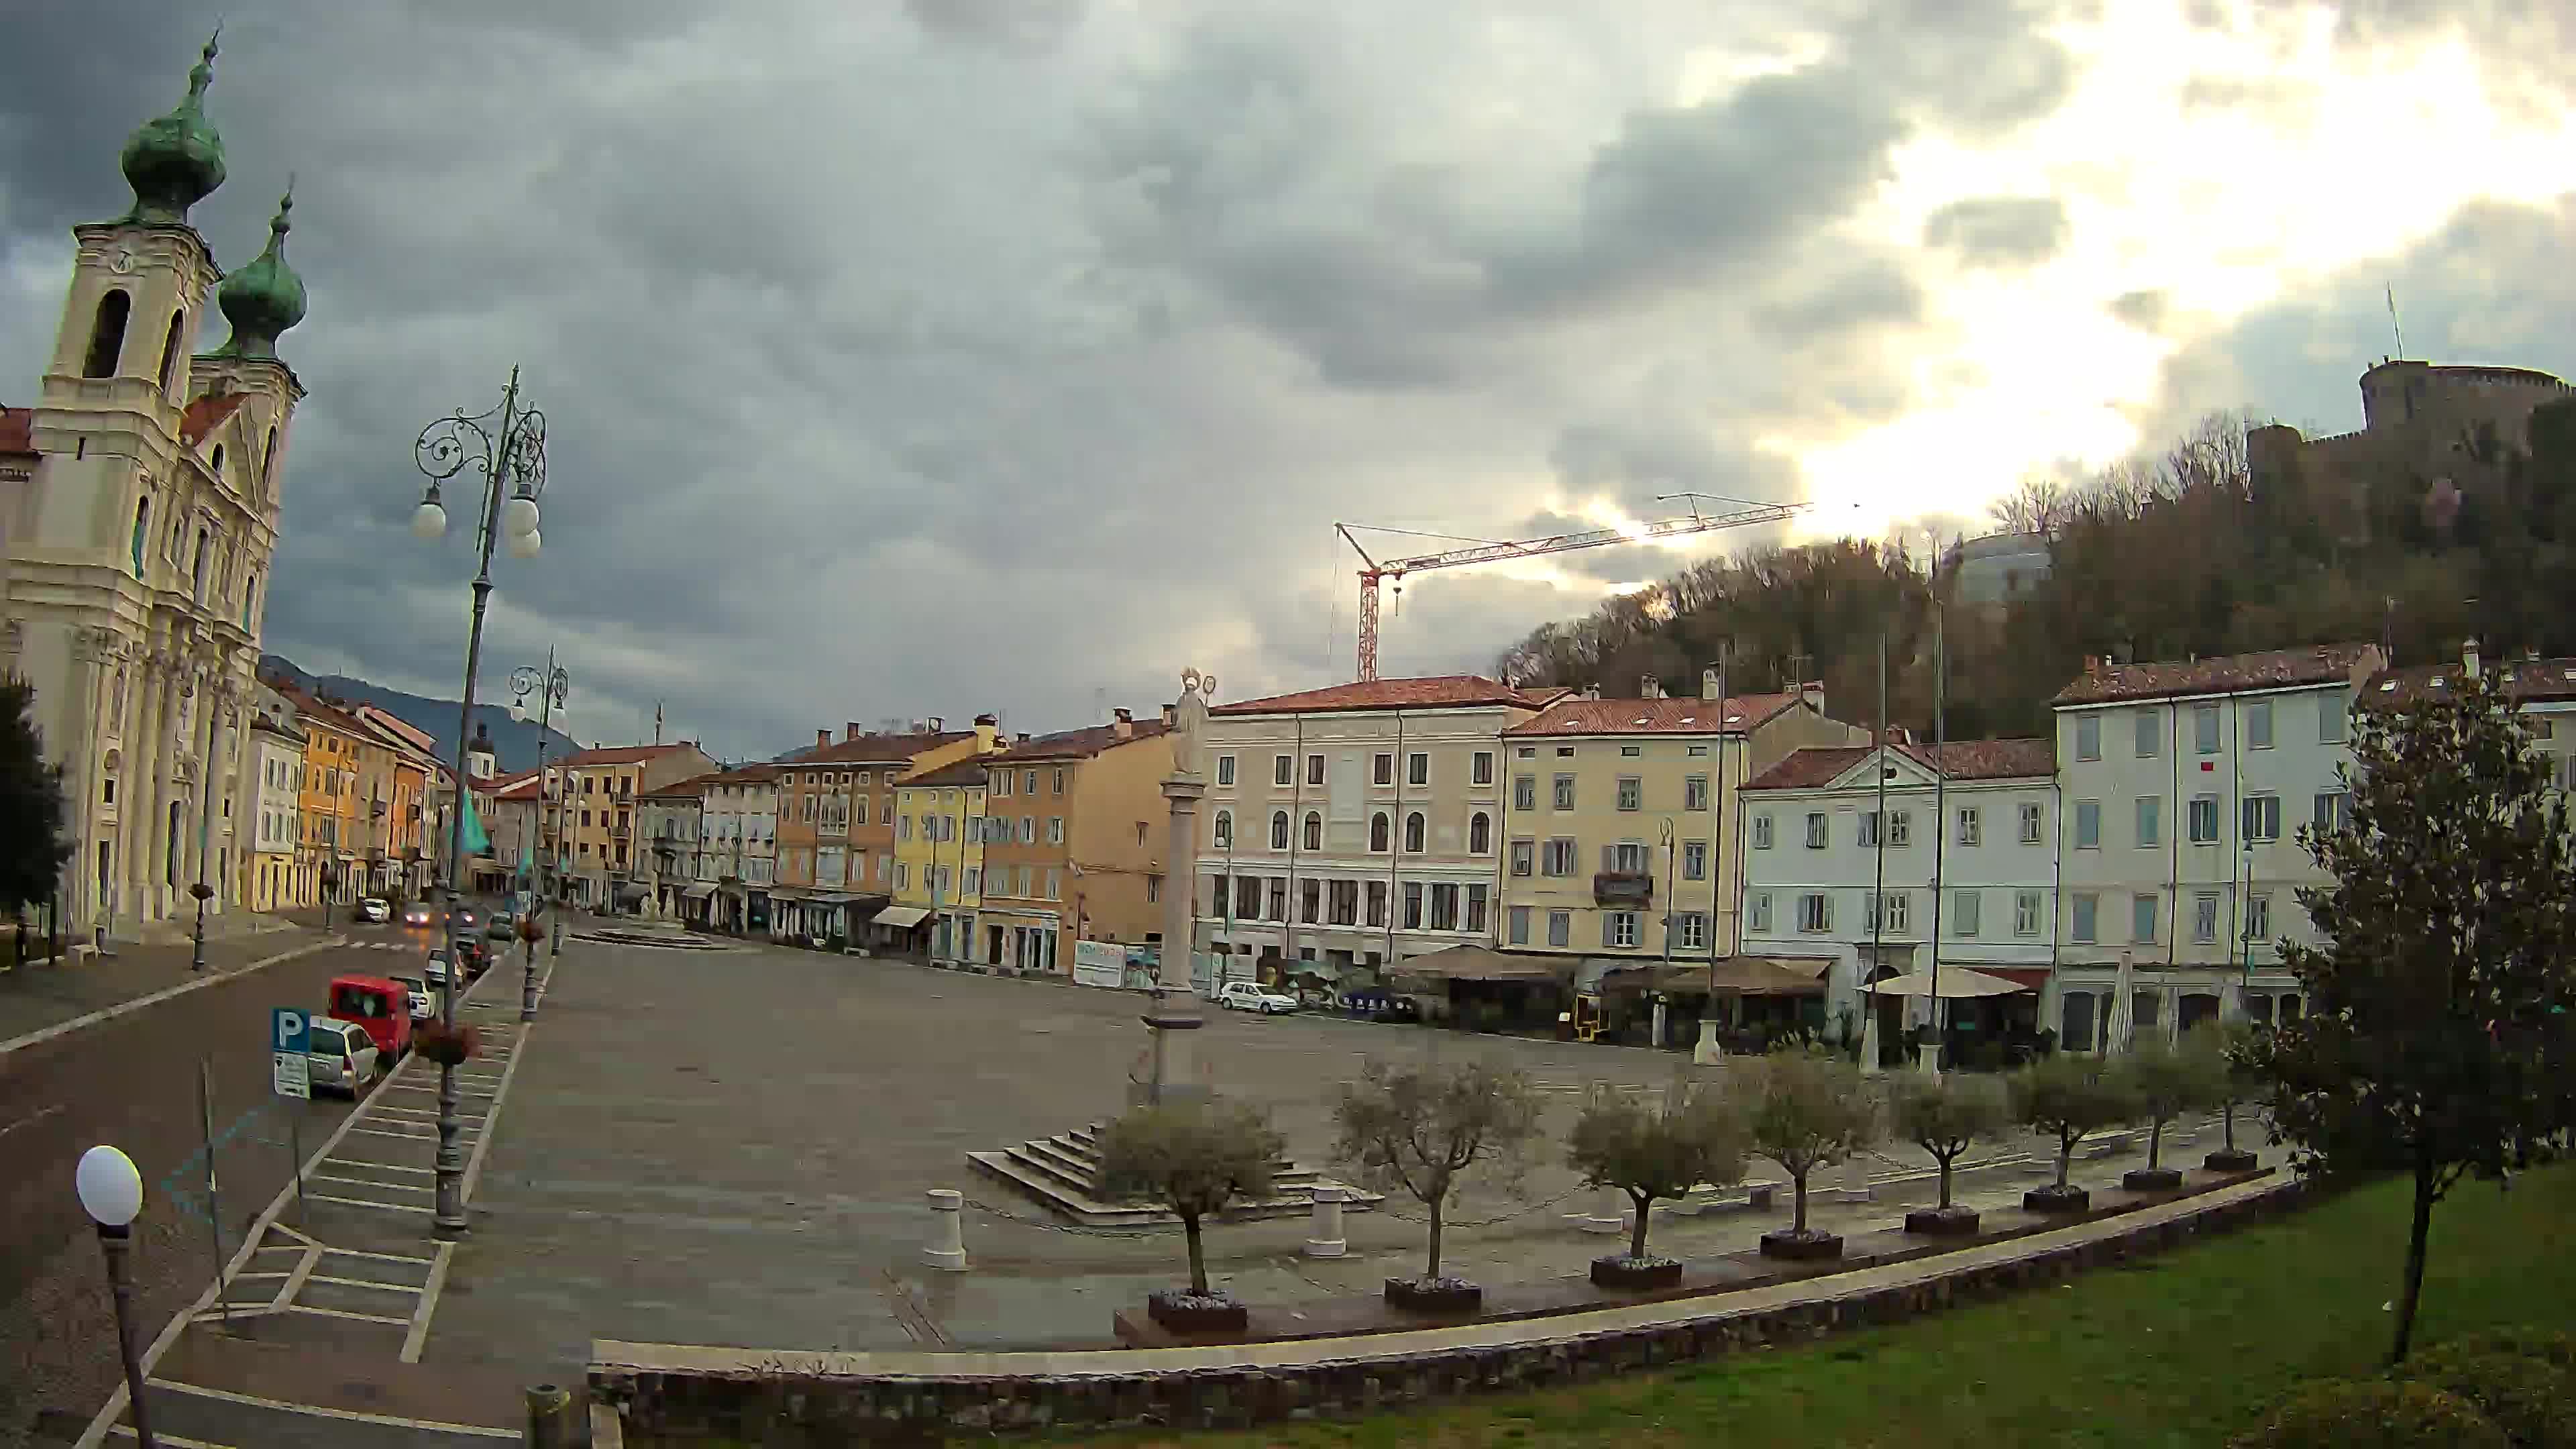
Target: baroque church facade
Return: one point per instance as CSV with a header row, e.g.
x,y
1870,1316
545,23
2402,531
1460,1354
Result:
x,y
139,508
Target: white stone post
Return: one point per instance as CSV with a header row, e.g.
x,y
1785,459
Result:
x,y
1324,1239
947,1250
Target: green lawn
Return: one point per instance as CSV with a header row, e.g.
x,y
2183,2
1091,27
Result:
x,y
2175,1351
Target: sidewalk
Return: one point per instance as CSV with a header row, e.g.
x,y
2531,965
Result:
x,y
34,998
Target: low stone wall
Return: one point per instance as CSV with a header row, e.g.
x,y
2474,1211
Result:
x,y
670,1395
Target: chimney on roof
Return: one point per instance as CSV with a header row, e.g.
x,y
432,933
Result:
x,y
850,730
1123,723
1708,684
2469,656
822,738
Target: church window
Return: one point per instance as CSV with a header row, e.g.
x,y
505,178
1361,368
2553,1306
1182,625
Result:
x,y
170,351
107,335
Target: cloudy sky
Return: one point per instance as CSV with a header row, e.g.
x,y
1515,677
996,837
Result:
x,y
1011,354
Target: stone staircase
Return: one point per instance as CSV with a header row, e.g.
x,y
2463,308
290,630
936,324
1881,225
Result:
x,y
1063,1174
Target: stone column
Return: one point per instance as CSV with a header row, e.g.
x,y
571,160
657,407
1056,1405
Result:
x,y
1324,1239
1175,1019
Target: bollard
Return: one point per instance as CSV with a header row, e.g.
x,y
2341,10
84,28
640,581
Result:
x,y
1324,1239
947,1248
548,1417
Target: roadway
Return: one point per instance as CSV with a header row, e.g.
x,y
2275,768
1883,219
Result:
x,y
133,1081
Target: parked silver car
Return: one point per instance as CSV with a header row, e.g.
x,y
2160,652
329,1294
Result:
x,y
340,1055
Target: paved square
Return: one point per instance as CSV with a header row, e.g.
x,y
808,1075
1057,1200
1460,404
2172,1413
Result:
x,y
733,1148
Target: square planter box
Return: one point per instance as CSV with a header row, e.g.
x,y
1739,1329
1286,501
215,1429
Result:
x,y
1451,1296
1182,1311
1808,1247
2151,1179
1948,1222
1618,1270
2054,1199
2229,1160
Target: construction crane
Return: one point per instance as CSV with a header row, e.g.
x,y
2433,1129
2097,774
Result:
x,y
1373,572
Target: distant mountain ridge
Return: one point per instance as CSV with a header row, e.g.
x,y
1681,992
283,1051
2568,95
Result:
x,y
514,742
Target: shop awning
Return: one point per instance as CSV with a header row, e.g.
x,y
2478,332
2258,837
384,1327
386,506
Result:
x,y
699,892
1957,982
1479,963
902,917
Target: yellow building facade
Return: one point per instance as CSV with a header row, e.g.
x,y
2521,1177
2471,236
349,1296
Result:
x,y
939,853
1620,819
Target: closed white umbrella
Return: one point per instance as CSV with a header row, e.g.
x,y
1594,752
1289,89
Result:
x,y
2124,1024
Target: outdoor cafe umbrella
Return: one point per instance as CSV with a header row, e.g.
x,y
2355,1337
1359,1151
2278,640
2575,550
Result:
x,y
2124,1024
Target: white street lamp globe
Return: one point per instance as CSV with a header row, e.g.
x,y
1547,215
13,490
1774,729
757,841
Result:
x,y
111,1191
428,521
519,516
526,545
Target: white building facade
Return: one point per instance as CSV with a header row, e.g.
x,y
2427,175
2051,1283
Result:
x,y
2184,787
139,501
1340,831
738,850
1963,869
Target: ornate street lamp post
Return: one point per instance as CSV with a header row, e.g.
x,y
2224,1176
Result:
x,y
111,1192
555,684
508,447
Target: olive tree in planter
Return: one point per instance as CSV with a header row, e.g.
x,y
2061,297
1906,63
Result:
x,y
1805,1109
1652,1151
2239,1080
2167,1080
1194,1160
1415,1129
2069,1097
1945,1116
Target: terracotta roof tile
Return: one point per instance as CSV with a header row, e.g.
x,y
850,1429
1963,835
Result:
x,y
1816,766
2223,674
2531,679
1078,744
1690,716
874,749
17,430
208,413
619,755
1437,691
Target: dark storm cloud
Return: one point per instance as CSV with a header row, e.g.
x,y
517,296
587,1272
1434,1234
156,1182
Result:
x,y
2000,231
991,355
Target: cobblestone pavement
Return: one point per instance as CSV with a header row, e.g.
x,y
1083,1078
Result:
x,y
315,1338
733,1149
132,1080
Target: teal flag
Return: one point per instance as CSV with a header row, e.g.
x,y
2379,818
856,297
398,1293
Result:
x,y
476,842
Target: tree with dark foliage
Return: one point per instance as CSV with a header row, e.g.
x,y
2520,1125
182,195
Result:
x,y
2437,1041
35,843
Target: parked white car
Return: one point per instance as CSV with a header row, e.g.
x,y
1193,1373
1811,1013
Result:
x,y
1252,996
342,1055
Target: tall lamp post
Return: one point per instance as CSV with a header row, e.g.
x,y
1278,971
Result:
x,y
550,685
507,446
111,1192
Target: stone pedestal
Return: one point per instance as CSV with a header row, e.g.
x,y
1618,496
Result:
x,y
1705,1052
947,1250
1324,1238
